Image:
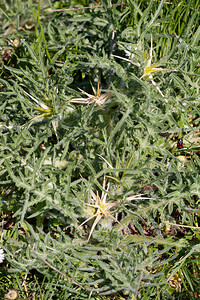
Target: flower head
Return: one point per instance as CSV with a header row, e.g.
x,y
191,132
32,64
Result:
x,y
98,98
47,110
150,69
11,295
102,208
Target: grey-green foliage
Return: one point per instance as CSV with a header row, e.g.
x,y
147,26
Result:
x,y
48,166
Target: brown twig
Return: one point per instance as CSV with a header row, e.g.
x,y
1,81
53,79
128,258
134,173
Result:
x,y
25,287
138,286
48,264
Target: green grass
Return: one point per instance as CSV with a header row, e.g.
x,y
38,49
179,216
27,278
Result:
x,y
55,153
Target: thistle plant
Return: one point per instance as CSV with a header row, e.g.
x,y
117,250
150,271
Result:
x,y
103,208
152,239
